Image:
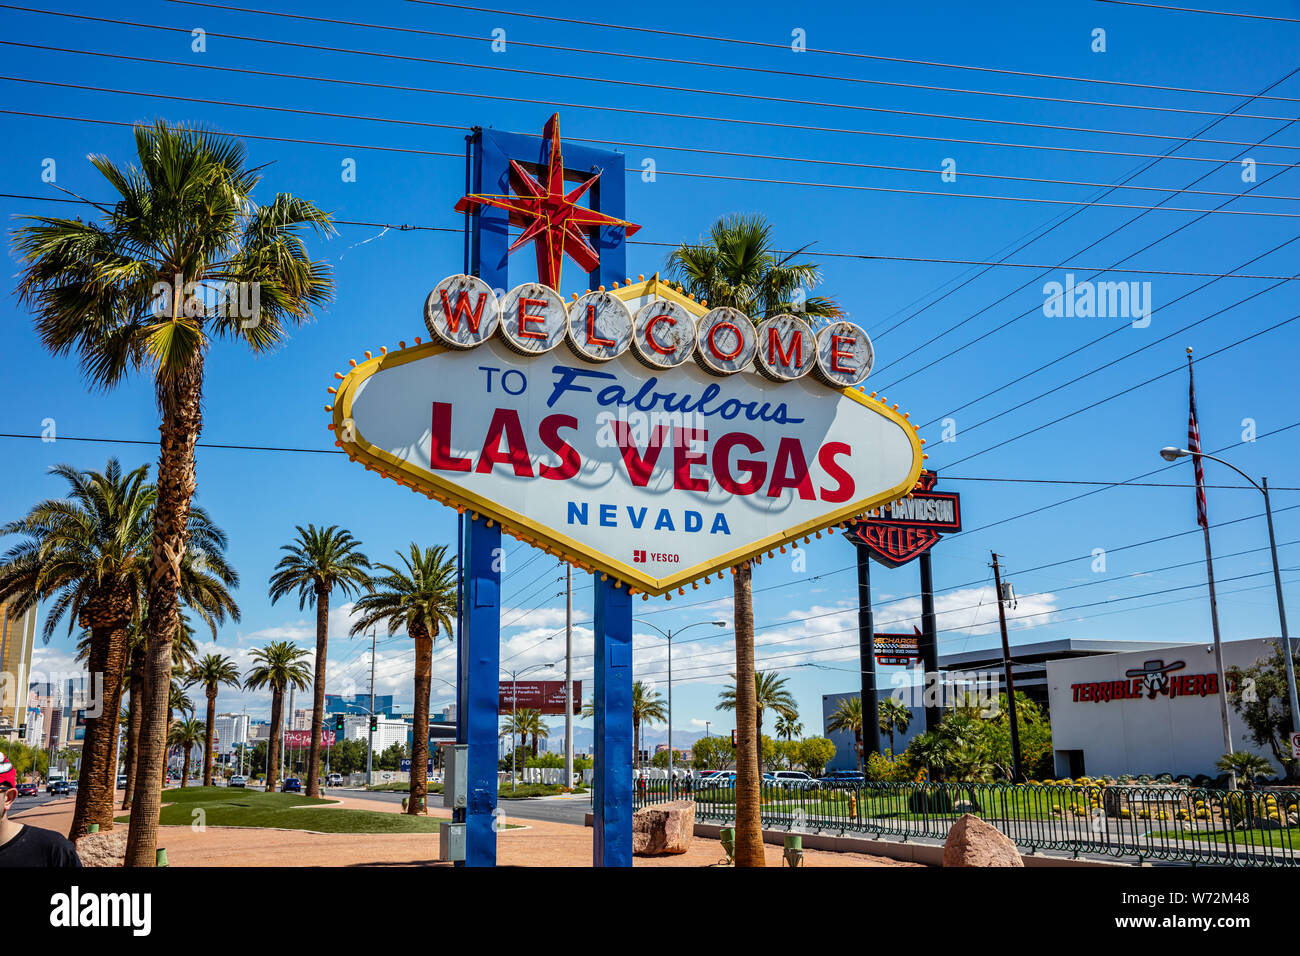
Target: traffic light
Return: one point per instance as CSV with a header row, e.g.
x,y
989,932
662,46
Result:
x,y
374,723
338,723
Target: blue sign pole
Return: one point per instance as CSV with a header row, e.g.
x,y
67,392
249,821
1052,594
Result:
x,y
612,801
479,657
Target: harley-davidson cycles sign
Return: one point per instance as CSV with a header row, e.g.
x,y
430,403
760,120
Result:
x,y
633,430
898,531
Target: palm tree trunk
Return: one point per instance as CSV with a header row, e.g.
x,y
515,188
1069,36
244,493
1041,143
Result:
x,y
185,766
636,745
133,722
180,397
419,791
318,691
94,795
749,828
207,737
758,735
273,743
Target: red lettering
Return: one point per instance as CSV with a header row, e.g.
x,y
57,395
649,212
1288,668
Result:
x,y
793,358
592,338
755,471
837,353
790,470
462,311
713,346
525,319
440,458
505,423
844,486
684,458
570,460
650,336
640,466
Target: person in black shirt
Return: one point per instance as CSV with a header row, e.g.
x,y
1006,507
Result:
x,y
24,845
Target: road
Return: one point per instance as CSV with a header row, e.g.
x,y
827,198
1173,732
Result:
x,y
550,809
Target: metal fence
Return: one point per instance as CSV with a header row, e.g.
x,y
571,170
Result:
x,y
1175,823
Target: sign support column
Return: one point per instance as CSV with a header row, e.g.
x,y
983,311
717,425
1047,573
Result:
x,y
477,692
929,643
866,654
612,801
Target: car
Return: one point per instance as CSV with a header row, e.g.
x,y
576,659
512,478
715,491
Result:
x,y
793,779
842,778
720,778
238,780
334,780
72,786
291,785
58,787
121,781
28,790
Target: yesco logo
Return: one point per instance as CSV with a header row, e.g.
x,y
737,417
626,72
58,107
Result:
x,y
75,909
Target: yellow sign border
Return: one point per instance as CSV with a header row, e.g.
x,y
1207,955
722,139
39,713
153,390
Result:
x,y
551,540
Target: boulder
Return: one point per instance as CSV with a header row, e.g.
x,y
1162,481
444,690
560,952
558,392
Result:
x,y
664,828
106,848
972,842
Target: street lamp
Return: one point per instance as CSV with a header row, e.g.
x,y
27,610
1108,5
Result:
x,y
514,714
670,634
1173,454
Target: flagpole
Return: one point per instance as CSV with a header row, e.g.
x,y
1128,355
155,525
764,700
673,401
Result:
x,y
1209,571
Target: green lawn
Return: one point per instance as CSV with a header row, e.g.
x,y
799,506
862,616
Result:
x,y
227,807
1288,839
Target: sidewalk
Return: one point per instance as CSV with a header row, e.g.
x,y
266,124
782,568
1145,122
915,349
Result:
x,y
535,843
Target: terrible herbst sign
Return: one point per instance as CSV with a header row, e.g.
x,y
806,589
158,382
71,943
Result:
x,y
632,431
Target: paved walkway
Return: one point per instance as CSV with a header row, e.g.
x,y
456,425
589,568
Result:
x,y
536,843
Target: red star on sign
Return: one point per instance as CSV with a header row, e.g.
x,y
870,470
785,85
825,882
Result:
x,y
550,217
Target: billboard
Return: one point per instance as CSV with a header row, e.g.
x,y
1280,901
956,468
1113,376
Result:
x,y
900,649
898,531
302,738
634,432
544,695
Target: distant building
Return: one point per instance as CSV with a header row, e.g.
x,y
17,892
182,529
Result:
x,y
358,704
301,719
17,637
230,729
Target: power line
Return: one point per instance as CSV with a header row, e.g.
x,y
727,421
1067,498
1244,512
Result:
x,y
1170,154
663,87
802,128
821,254
1217,13
675,62
830,52
820,161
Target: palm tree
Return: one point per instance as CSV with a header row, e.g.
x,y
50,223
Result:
x,y
894,716
737,266
213,671
88,554
278,666
769,694
419,596
535,726
847,718
1246,765
320,560
185,734
788,726
133,290
517,722
647,707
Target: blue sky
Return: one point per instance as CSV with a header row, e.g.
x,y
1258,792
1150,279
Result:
x,y
806,615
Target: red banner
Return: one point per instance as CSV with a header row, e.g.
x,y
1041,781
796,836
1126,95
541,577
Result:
x,y
544,695
302,738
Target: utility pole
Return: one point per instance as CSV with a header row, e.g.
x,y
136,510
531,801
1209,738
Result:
x,y
568,676
1016,774
370,749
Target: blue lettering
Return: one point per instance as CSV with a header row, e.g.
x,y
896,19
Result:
x,y
694,521
719,524
607,518
636,519
580,513
665,521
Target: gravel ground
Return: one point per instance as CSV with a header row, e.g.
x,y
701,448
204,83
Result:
x,y
537,843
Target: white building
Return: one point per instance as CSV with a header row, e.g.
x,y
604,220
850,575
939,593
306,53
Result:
x,y
1148,711
387,731
230,729
301,719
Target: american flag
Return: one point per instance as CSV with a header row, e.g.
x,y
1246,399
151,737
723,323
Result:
x,y
1194,446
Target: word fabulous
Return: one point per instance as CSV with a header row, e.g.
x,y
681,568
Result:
x,y
463,312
